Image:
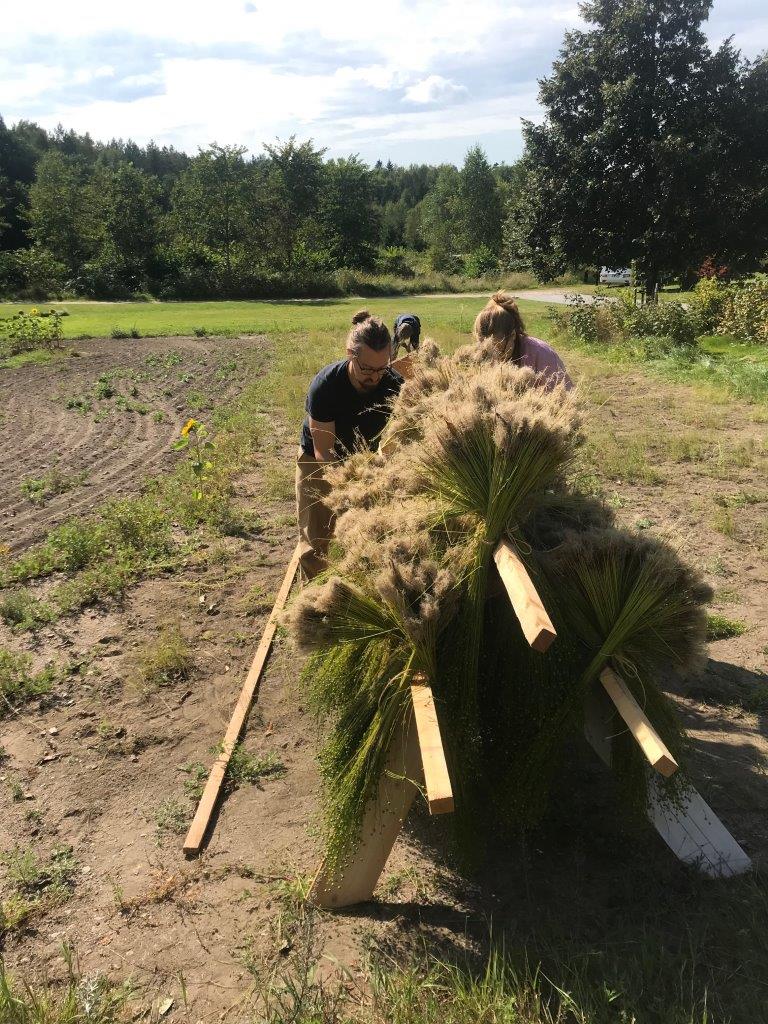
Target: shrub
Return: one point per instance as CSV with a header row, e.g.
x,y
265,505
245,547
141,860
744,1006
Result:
x,y
605,321
394,259
482,261
663,320
708,303
745,311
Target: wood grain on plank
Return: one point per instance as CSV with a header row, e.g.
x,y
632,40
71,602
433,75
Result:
x,y
637,722
436,778
197,829
535,622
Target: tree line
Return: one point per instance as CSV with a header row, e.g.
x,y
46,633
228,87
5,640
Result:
x,y
653,151
116,219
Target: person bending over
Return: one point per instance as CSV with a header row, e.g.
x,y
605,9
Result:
x,y
347,408
406,333
500,322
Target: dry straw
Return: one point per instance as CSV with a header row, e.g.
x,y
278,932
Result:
x,y
478,451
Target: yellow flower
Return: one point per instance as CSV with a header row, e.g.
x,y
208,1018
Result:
x,y
34,311
189,425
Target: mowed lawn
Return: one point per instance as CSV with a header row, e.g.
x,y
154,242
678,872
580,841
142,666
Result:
x,y
99,319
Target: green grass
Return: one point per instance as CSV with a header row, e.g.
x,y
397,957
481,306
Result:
x,y
719,627
156,319
166,659
18,684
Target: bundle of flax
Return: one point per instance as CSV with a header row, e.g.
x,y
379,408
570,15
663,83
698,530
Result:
x,y
478,451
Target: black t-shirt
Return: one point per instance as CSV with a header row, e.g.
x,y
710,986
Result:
x,y
358,417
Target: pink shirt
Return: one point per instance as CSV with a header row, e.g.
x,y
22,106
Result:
x,y
542,358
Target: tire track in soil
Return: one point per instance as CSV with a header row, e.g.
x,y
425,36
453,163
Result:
x,y
117,452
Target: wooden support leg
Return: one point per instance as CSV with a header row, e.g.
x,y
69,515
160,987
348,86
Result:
x,y
649,741
693,832
384,817
436,779
529,609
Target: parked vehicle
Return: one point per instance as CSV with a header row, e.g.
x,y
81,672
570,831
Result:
x,y
612,275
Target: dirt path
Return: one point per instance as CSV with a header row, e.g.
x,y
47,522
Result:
x,y
110,781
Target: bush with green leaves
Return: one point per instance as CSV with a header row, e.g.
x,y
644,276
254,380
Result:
x,y
396,260
745,311
708,303
481,261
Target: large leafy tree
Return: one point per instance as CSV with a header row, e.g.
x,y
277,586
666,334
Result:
x,y
211,206
62,220
644,127
347,212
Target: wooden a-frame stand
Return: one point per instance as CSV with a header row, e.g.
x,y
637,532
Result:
x,y
691,830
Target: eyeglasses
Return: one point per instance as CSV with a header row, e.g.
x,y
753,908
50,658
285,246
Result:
x,y
370,369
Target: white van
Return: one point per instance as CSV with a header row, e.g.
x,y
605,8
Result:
x,y
611,275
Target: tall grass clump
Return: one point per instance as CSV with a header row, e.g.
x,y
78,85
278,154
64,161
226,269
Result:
x,y
475,452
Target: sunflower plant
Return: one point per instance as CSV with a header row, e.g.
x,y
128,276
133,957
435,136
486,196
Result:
x,y
194,438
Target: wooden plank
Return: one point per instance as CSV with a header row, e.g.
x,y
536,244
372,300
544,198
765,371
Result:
x,y
529,609
649,741
404,366
383,819
691,830
199,825
436,778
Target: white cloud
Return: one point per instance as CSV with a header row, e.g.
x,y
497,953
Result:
x,y
435,89
187,72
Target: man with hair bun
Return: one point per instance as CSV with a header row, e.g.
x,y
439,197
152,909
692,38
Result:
x,y
347,407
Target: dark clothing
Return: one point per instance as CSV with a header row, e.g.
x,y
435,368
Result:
x,y
359,418
415,323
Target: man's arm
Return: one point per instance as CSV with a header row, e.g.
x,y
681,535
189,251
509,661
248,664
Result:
x,y
323,439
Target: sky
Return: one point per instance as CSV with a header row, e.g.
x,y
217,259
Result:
x,y
406,80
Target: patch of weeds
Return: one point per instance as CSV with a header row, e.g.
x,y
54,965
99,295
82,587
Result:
x,y
741,499
165,361
121,333
255,601
17,790
721,628
196,401
104,388
158,416
243,769
686,447
18,685
226,370
21,610
727,595
90,999
722,521
81,403
36,886
41,489
644,524
200,332
278,481
165,660
106,553
123,404
185,378
172,817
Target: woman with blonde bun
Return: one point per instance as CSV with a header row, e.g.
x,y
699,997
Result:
x,y
500,322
